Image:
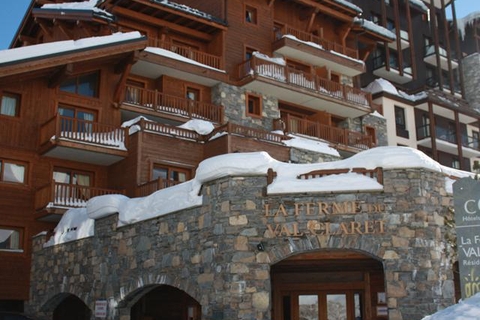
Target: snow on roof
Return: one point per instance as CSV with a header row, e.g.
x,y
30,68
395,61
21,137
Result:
x,y
75,6
310,143
375,28
187,9
464,310
52,48
466,21
382,85
349,5
78,223
419,4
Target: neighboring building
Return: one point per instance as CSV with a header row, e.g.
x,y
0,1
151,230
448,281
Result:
x,y
114,97
424,100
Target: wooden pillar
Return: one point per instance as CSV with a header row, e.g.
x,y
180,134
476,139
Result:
x,y
433,133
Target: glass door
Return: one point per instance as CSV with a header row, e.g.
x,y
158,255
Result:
x,y
342,305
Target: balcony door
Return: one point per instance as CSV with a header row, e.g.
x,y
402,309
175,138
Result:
x,y
75,119
323,305
71,186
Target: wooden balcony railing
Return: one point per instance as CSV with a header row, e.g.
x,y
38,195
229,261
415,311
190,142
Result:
x,y
163,129
282,73
150,187
83,131
201,57
331,134
324,43
247,132
160,102
68,195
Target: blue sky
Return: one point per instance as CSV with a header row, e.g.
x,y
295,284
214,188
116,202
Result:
x,y
13,11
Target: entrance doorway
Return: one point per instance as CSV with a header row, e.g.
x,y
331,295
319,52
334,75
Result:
x,y
166,303
328,285
72,308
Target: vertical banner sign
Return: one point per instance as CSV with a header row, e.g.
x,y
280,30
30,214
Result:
x,y
466,197
101,307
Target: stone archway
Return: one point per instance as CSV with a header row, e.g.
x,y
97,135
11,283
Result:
x,y
328,283
72,308
164,302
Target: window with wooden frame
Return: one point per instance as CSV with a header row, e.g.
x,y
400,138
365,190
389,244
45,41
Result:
x,y
335,77
251,14
85,85
170,175
72,184
10,104
75,119
13,171
192,94
371,132
11,239
254,105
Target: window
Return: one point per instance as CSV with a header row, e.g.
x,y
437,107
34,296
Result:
x,y
250,14
170,175
83,119
375,18
10,239
254,105
192,94
134,92
85,85
455,163
10,104
390,24
475,139
400,122
12,171
71,185
335,77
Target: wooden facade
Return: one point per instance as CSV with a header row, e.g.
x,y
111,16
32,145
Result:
x,y
66,130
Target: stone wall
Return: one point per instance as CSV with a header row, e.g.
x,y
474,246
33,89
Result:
x,y
234,101
471,69
307,156
210,252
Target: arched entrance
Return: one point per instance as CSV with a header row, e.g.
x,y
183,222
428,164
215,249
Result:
x,y
166,303
328,285
71,308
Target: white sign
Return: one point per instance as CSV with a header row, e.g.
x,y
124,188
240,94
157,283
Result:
x,y
101,309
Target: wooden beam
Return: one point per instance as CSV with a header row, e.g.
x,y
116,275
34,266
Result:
x,y
60,75
46,30
62,26
326,10
366,52
161,23
313,15
123,67
26,40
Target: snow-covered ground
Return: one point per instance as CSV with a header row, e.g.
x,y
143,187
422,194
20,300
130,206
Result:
x,y
468,309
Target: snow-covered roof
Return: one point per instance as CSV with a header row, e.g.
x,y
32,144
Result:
x,y
466,21
189,10
58,47
419,4
375,28
79,223
348,4
79,6
382,85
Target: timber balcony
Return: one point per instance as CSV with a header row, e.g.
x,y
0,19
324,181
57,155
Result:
x,y
336,136
55,198
181,62
159,104
83,141
318,51
272,77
